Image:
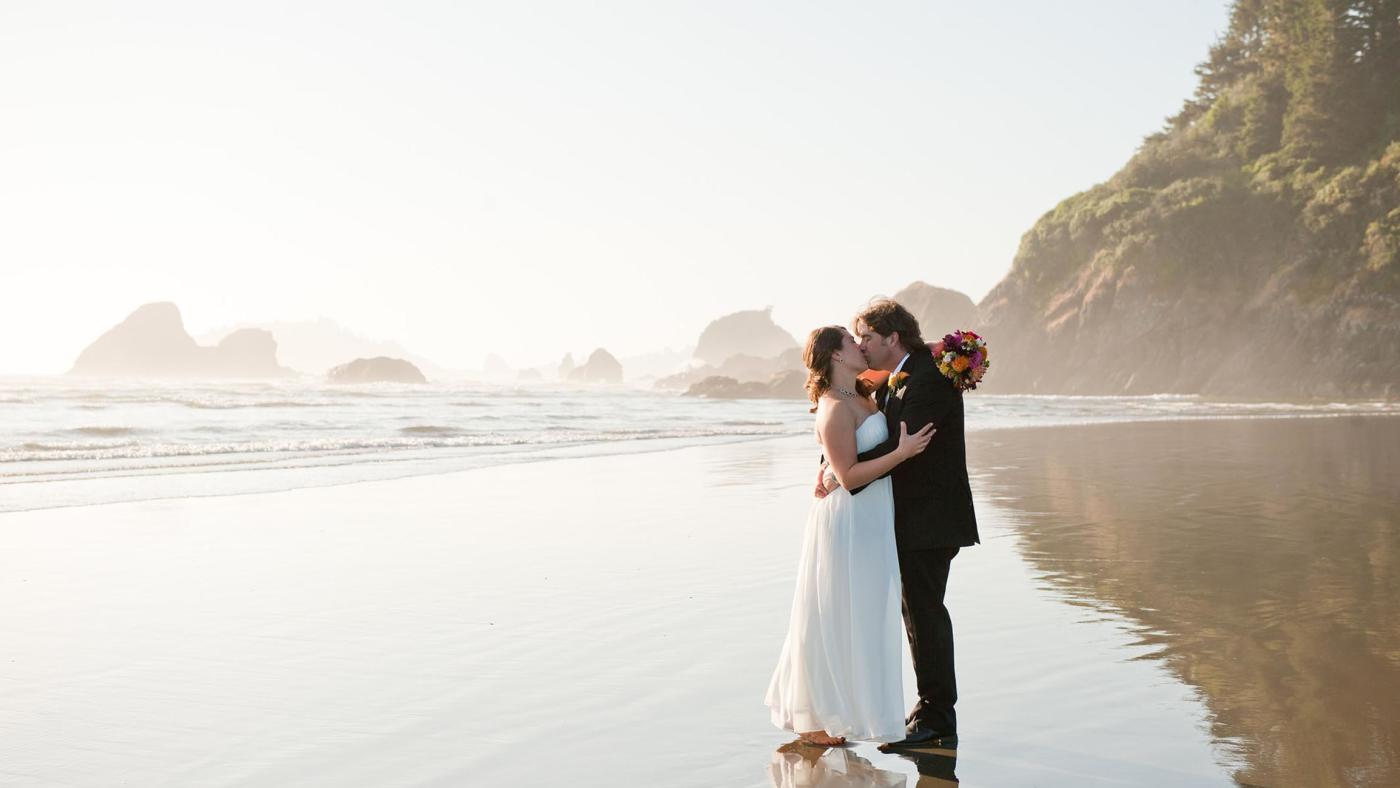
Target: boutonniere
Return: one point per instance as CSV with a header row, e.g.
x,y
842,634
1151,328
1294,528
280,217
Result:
x,y
897,383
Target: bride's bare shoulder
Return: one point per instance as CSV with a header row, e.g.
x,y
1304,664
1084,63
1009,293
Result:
x,y
832,411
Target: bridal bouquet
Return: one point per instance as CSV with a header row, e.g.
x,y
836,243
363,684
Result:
x,y
962,358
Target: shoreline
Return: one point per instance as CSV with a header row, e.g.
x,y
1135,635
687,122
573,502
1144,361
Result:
x,y
372,467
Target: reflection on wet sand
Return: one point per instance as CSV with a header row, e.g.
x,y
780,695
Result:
x,y
936,767
1260,558
798,764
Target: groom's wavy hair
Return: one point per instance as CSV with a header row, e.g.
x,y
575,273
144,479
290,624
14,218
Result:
x,y
821,343
885,316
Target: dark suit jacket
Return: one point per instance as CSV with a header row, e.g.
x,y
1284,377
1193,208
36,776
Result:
x,y
932,497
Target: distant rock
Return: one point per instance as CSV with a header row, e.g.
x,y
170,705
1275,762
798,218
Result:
x,y
567,366
380,369
746,347
750,333
721,387
249,352
743,368
746,367
313,346
601,367
657,364
791,384
939,310
786,385
152,342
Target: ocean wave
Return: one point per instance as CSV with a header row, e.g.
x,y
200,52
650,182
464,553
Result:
x,y
430,429
132,450
104,432
276,403
75,449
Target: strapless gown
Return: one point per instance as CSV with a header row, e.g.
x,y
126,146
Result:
x,y
840,668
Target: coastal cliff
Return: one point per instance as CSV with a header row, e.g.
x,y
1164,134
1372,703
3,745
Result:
x,y
1251,248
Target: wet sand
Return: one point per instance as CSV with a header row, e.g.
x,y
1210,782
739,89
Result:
x,y
614,621
1259,561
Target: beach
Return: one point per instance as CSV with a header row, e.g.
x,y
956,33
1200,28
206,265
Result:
x,y
613,620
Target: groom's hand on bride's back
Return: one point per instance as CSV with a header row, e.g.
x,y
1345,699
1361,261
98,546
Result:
x,y
820,491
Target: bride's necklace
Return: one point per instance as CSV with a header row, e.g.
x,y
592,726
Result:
x,y
844,392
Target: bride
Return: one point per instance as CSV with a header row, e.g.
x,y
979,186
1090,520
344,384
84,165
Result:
x,y
839,674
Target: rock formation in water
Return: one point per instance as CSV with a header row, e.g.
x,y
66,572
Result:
x,y
656,364
248,353
152,342
939,310
1251,248
742,368
750,333
567,366
784,385
745,346
380,369
314,346
601,367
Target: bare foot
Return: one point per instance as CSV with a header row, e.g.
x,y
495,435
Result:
x,y
821,739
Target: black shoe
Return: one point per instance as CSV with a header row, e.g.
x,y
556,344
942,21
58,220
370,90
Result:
x,y
921,735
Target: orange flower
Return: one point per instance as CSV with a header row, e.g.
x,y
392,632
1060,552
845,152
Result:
x,y
960,364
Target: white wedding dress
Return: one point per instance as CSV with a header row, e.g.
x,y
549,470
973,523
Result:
x,y
840,668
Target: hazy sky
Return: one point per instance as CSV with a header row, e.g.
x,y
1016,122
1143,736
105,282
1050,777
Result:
x,y
531,178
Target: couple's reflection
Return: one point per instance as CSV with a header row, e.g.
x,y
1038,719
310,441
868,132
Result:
x,y
798,764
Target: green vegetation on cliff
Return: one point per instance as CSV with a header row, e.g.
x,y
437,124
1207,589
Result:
x,y
1252,247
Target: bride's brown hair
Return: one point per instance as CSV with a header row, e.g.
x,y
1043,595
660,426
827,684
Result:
x,y
821,343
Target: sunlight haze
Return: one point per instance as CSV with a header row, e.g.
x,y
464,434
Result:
x,y
530,179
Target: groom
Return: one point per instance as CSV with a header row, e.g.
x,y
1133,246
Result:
x,y
933,515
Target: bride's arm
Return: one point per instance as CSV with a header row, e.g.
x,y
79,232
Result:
x,y
837,428
829,481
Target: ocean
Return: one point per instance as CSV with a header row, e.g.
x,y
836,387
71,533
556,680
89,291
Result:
x,y
73,442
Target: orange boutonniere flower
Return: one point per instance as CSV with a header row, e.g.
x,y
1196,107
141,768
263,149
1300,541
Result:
x,y
897,381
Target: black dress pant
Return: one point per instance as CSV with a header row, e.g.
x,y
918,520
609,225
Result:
x,y
930,629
